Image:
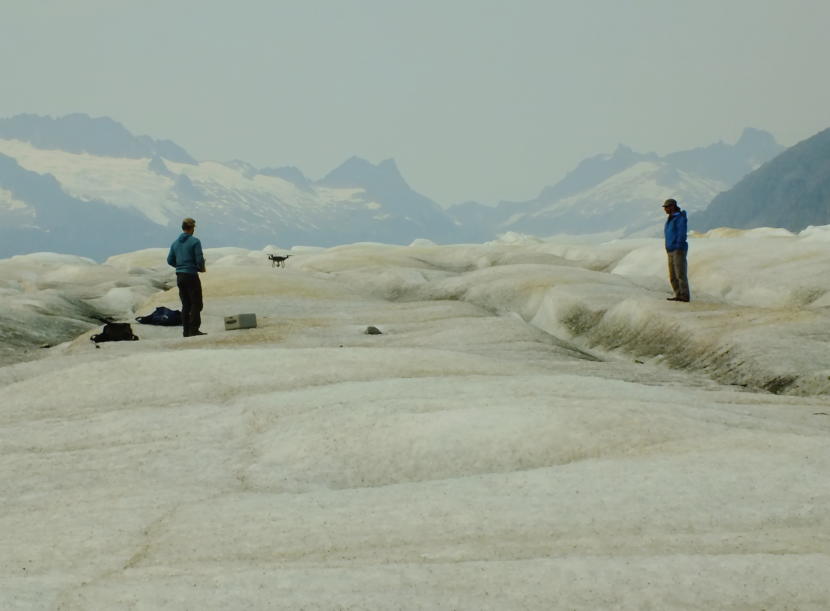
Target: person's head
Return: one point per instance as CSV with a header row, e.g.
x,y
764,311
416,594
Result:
x,y
670,206
188,225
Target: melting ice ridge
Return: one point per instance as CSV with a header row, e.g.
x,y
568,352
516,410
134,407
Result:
x,y
535,428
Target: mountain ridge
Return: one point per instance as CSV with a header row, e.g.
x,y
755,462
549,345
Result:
x,y
240,204
80,133
790,191
236,203
595,197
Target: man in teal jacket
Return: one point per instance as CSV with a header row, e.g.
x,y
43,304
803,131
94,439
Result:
x,y
677,247
186,256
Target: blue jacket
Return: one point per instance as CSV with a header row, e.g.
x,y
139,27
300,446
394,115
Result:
x,y
186,255
675,231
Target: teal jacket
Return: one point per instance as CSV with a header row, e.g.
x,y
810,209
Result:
x,y
186,255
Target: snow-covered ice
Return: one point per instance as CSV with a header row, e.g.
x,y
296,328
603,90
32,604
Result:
x,y
536,428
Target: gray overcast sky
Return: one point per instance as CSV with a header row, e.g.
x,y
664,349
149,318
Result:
x,y
475,99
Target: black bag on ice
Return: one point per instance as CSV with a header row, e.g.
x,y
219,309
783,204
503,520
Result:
x,y
115,332
162,316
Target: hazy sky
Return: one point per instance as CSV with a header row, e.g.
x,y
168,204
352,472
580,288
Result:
x,y
475,99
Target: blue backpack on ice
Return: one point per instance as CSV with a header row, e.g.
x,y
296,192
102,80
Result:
x,y
162,316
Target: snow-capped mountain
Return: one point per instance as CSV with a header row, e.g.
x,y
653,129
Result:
x,y
87,186
80,133
621,192
104,192
627,203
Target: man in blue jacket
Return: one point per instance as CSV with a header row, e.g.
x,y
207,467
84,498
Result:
x,y
676,247
186,256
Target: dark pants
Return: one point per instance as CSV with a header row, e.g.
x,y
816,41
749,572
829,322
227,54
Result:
x,y
677,274
190,292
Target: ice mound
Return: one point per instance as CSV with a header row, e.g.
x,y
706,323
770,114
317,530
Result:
x,y
536,426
